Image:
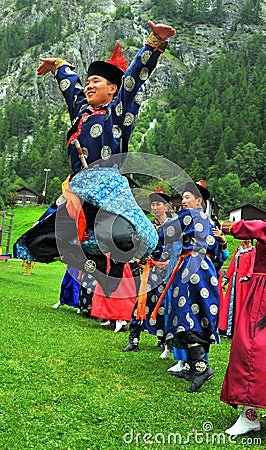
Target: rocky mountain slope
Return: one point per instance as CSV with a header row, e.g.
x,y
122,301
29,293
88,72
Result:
x,y
88,30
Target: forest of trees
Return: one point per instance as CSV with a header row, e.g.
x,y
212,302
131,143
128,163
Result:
x,y
207,11
212,126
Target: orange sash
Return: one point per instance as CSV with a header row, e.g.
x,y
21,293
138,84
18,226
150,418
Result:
x,y
142,296
74,209
179,262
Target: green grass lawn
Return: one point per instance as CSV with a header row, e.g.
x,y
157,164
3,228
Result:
x,y
65,384
23,219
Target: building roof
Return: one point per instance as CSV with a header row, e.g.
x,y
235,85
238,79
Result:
x,y
26,188
249,205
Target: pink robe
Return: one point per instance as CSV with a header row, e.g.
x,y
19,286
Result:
x,y
244,382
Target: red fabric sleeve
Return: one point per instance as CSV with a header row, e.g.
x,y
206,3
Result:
x,y
250,229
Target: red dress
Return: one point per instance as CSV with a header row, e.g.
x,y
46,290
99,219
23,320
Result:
x,y
121,303
244,382
241,265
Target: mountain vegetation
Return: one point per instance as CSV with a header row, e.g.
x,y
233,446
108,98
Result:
x,y
205,104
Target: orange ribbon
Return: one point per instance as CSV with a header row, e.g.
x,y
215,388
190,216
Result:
x,y
176,268
142,297
74,209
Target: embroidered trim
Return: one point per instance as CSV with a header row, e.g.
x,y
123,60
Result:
x,y
157,43
78,132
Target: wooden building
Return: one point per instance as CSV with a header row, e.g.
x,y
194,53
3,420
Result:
x,y
246,212
28,197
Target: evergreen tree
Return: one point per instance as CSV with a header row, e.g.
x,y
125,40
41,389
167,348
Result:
x,y
243,163
251,12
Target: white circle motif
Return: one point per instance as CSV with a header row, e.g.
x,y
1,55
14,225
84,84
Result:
x,y
170,231
106,152
204,265
129,119
108,113
187,220
185,273
214,281
159,333
144,73
85,152
182,301
145,56
90,266
210,239
175,292
190,321
160,289
175,321
199,227
213,310
204,293
78,86
193,241
96,130
117,132
169,336
119,109
139,98
129,83
64,85
194,279
69,70
195,308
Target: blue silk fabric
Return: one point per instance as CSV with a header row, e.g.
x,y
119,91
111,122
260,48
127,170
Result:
x,y
107,189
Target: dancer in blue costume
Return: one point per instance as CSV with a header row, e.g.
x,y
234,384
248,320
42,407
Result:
x,y
69,291
153,282
192,322
94,218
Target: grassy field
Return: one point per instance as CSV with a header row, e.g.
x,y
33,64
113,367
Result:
x,y
65,384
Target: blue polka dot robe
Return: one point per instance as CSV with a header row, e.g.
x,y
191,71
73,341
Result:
x,y
194,294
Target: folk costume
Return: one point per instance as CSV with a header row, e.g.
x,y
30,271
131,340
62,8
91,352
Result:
x,y
193,317
244,382
69,291
86,292
122,300
152,285
240,267
97,213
